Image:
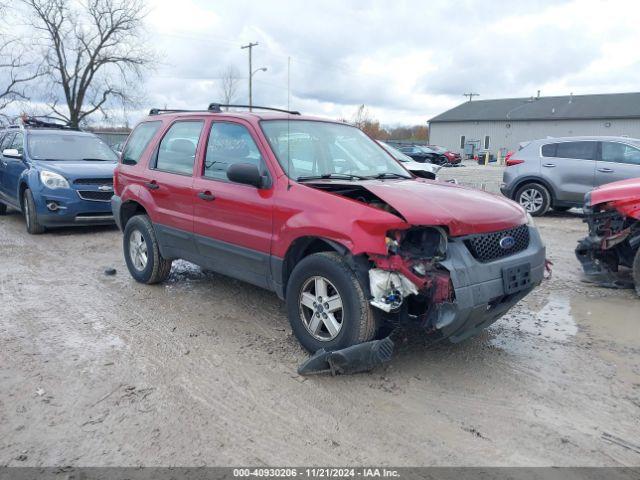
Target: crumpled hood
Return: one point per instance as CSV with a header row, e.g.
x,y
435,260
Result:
x,y
80,169
624,196
462,210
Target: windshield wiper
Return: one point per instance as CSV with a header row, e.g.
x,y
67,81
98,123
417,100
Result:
x,y
96,160
389,175
326,176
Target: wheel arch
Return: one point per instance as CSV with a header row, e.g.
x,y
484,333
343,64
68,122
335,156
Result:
x,y
523,181
129,209
300,248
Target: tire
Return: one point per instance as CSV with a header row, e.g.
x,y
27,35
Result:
x,y
636,272
534,198
34,227
3,209
355,321
146,265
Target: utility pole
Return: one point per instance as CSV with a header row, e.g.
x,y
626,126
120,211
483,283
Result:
x,y
250,47
471,95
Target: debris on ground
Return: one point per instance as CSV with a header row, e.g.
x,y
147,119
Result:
x,y
355,359
110,271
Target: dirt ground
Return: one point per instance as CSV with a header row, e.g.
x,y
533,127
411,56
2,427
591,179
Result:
x,y
98,370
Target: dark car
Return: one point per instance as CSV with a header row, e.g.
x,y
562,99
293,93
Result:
x,y
453,158
349,241
57,176
423,154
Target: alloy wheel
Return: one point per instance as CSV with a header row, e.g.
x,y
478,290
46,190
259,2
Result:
x,y
138,250
321,308
532,200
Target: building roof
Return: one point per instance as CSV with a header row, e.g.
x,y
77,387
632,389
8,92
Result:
x,y
568,107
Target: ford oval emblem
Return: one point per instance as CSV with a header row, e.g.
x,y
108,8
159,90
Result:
x,y
507,242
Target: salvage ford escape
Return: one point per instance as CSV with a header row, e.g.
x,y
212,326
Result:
x,y
319,213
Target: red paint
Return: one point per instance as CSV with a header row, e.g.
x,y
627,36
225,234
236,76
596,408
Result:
x,y
270,220
624,196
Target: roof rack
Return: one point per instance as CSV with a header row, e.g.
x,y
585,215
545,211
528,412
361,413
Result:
x,y
159,111
36,121
215,107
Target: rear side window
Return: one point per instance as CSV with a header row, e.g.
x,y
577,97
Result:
x,y
229,143
577,150
138,141
549,150
177,151
620,153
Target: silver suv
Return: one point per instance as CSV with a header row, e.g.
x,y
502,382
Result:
x,y
557,172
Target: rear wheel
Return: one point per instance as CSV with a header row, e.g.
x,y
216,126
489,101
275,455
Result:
x,y
326,304
142,252
534,198
636,272
34,227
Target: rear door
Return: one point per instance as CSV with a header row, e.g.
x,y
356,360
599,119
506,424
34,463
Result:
x,y
233,222
570,168
618,161
170,184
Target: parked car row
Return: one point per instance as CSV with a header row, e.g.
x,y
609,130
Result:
x,y
429,154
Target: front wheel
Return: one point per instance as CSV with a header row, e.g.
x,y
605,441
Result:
x,y
142,253
534,198
326,304
34,227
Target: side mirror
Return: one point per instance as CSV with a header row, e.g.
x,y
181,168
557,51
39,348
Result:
x,y
245,173
11,153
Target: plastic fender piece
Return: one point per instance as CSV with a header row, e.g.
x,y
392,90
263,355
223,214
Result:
x,y
355,359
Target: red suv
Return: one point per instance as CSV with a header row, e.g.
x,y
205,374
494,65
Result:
x,y
318,212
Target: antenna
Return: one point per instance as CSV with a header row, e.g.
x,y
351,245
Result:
x,y
288,123
471,95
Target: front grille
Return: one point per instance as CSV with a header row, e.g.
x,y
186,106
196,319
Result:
x,y
486,247
95,196
94,181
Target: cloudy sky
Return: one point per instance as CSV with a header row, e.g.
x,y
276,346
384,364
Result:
x,y
406,60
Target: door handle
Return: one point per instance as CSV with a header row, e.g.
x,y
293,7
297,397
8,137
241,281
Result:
x,y
605,170
206,196
549,165
152,185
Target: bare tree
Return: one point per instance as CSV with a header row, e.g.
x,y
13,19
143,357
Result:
x,y
229,83
16,71
93,53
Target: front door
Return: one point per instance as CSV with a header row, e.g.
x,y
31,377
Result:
x,y
233,222
618,161
13,168
170,185
4,164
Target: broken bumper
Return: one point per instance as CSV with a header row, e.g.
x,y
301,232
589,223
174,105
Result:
x,y
481,295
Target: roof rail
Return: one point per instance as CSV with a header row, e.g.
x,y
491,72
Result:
x,y
159,111
35,121
215,107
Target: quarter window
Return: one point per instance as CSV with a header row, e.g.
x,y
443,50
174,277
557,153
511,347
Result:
x,y
577,150
177,151
229,143
549,150
138,141
6,141
620,153
17,143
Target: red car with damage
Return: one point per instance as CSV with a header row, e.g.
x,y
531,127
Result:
x,y
612,212
319,213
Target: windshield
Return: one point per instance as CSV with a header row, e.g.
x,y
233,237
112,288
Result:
x,y
395,153
307,148
51,146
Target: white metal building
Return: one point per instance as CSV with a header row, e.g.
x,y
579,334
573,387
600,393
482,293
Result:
x,y
504,123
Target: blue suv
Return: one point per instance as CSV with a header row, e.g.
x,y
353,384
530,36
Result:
x,y
55,175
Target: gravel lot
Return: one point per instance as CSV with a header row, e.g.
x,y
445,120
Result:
x,y
97,370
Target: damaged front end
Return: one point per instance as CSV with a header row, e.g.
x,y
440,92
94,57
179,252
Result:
x,y
612,243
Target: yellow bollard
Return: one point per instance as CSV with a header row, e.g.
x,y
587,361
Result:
x,y
486,158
